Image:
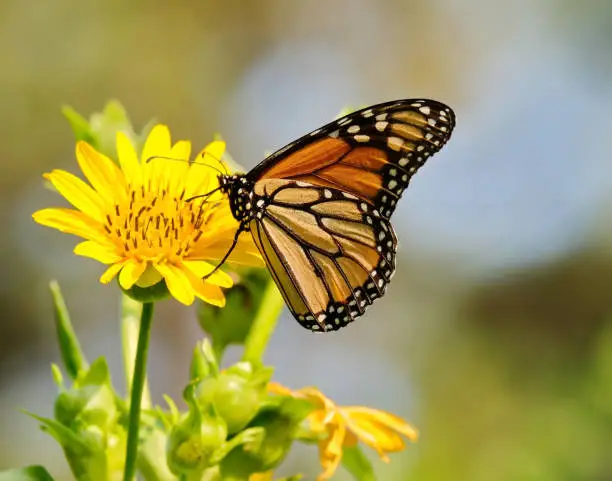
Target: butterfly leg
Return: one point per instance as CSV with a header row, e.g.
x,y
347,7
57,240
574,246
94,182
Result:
x,y
239,231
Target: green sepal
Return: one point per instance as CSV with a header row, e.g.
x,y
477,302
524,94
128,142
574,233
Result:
x,y
356,463
100,131
154,293
231,324
29,473
80,126
199,368
279,436
70,349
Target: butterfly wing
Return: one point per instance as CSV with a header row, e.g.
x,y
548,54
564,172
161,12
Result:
x,y
330,253
371,153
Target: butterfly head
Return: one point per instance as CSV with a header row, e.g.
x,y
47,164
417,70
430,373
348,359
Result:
x,y
240,193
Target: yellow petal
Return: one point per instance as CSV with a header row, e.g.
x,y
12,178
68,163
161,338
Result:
x,y
177,169
157,145
207,292
215,244
202,268
177,282
131,273
213,151
101,172
280,390
111,272
379,430
128,159
330,451
69,221
102,253
78,193
383,418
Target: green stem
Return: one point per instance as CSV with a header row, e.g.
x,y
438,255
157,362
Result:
x,y
138,382
263,325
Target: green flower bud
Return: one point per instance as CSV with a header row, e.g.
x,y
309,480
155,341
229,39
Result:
x,y
193,441
235,399
236,394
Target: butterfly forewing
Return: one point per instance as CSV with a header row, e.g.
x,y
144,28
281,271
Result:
x,y
371,153
330,253
319,208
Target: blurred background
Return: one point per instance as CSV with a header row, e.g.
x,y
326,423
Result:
x,y
495,338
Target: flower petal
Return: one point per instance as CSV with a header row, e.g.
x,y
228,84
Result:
x,y
177,282
384,418
330,450
131,273
177,170
111,272
69,221
378,429
128,159
202,268
207,292
101,172
100,252
213,151
77,192
156,145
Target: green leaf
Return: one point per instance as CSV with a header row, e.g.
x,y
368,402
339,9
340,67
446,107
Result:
x,y
80,126
29,473
63,435
356,463
70,348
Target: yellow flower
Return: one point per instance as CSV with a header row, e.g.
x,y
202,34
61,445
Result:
x,y
137,217
344,426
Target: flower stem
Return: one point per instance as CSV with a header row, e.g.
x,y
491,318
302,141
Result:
x,y
138,381
263,325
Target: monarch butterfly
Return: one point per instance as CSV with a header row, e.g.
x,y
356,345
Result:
x,y
319,208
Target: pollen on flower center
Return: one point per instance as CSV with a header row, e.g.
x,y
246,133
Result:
x,y
155,225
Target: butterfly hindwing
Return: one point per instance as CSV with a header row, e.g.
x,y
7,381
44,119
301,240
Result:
x,y
371,153
330,253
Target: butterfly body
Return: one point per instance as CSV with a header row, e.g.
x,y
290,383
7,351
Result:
x,y
319,208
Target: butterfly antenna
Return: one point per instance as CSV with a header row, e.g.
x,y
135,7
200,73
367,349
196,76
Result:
x,y
208,194
227,254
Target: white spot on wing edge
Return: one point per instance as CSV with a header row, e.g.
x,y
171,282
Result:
x,y
334,134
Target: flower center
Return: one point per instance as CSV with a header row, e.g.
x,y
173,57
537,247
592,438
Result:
x,y
155,225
